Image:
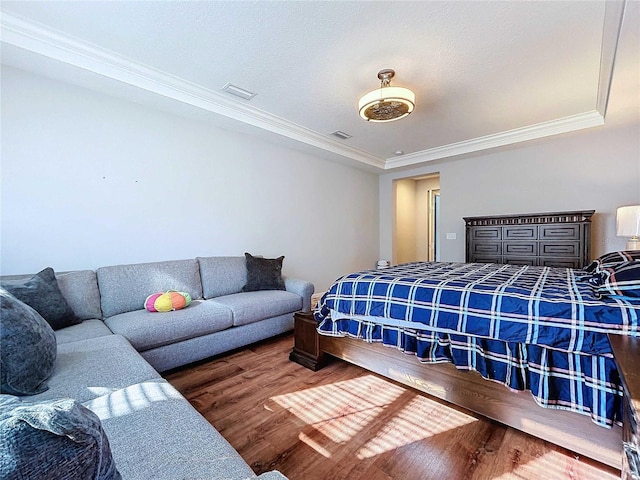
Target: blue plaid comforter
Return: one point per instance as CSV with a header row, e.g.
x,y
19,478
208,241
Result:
x,y
531,328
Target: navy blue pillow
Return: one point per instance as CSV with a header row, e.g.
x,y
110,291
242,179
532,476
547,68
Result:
x,y
42,293
263,273
623,280
54,439
27,348
612,259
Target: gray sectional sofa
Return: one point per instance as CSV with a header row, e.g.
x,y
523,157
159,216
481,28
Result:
x,y
110,360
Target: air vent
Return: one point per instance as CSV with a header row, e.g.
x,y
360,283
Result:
x,y
341,135
238,92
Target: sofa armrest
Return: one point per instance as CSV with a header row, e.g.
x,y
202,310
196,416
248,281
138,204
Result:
x,y
302,288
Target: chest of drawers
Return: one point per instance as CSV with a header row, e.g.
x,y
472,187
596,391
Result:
x,y
560,239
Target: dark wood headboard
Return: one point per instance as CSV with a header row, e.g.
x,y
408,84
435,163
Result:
x,y
559,239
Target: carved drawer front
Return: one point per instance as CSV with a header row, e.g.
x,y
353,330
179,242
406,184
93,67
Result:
x,y
487,248
520,249
561,262
515,260
560,232
486,259
525,232
487,233
560,249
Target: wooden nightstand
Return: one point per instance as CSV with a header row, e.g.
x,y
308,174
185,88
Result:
x,y
306,347
626,351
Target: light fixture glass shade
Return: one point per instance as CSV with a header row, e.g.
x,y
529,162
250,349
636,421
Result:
x,y
386,104
628,225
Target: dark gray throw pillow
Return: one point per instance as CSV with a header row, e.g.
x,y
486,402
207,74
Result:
x,y
42,293
27,348
263,273
54,439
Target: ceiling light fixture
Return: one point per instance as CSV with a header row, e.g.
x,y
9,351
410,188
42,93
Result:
x,y
386,103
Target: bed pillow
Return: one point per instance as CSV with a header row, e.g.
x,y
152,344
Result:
x,y
623,280
42,293
263,273
55,439
27,348
612,259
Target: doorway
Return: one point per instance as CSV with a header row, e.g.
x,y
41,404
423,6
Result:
x,y
416,219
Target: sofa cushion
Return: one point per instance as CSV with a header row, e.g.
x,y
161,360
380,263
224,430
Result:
x,y
249,307
263,273
87,369
42,293
80,288
86,329
27,348
222,275
124,288
147,330
171,440
58,439
176,355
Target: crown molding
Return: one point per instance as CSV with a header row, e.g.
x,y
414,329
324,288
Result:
x,y
612,25
524,134
42,40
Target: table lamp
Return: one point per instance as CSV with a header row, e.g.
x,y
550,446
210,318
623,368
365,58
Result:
x,y
628,225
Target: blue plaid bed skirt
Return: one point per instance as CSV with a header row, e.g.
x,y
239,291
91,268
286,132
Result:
x,y
586,384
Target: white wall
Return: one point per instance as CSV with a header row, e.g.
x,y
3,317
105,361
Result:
x,y
596,169
89,180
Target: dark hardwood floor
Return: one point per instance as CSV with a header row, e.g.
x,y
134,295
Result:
x,y
344,422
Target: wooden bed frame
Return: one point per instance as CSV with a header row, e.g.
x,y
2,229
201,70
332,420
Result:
x,y
467,389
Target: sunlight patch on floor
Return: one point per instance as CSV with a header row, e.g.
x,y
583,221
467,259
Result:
x,y
555,466
339,411
420,419
315,445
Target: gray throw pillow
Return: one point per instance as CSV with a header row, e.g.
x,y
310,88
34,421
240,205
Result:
x,y
55,439
263,273
27,348
42,293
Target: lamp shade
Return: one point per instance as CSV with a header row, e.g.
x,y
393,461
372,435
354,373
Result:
x,y
387,103
628,221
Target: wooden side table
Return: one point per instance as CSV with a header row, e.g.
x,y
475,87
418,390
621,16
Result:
x,y
626,351
306,346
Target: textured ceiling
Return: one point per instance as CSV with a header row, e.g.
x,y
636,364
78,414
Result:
x,y
479,69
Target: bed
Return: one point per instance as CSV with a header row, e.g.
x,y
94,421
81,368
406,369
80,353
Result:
x,y
534,336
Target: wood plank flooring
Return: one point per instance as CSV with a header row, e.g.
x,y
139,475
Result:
x,y
344,422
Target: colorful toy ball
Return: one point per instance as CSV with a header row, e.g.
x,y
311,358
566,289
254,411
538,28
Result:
x,y
167,301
